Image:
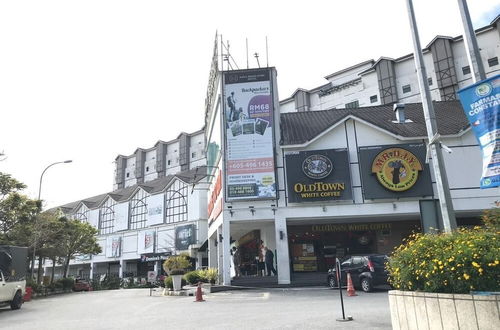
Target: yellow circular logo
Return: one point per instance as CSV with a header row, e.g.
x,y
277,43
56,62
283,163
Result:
x,y
396,169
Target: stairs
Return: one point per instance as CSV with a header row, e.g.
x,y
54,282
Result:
x,y
298,280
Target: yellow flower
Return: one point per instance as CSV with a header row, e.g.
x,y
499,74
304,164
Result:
x,y
466,276
497,262
475,264
480,270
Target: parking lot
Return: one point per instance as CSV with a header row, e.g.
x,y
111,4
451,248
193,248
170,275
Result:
x,y
294,308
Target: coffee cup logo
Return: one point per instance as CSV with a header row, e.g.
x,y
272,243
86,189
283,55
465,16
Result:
x,y
396,169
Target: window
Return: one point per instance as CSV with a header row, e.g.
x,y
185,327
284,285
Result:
x,y
373,98
168,162
493,61
176,202
138,210
429,81
128,174
193,155
147,168
82,214
406,89
107,217
351,105
466,70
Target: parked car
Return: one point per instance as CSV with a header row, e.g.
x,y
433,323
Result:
x,y
367,271
81,285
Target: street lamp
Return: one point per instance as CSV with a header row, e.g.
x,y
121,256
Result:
x,y
39,198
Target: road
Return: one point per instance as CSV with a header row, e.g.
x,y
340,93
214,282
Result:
x,y
294,308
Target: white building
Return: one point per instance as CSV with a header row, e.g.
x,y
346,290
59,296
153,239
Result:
x,y
158,208
350,121
388,80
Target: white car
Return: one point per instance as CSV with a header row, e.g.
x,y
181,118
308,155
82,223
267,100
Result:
x,y
11,291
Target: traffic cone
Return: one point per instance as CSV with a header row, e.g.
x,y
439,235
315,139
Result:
x,y
199,294
350,288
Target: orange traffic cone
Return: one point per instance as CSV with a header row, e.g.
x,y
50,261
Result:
x,y
199,294
350,288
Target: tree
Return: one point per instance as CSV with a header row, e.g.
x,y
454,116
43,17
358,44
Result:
x,y
77,238
15,208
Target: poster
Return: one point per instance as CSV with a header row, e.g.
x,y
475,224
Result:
x,y
146,241
249,137
481,105
184,237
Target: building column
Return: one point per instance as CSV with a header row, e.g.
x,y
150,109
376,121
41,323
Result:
x,y
123,264
212,252
92,265
226,253
199,260
282,255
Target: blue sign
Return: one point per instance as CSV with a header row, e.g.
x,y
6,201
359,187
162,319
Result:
x,y
481,103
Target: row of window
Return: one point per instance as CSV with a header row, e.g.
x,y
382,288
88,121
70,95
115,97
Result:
x,y
491,62
175,209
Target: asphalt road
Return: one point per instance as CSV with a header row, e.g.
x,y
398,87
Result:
x,y
295,308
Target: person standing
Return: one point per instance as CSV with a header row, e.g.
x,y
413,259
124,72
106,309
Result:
x,y
231,103
269,259
237,261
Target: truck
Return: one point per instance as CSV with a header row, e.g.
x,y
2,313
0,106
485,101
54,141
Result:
x,y
13,261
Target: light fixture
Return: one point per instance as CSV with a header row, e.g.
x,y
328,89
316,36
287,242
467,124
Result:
x,y
220,238
274,208
282,234
230,208
324,208
252,209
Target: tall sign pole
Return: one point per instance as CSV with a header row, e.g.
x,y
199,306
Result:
x,y
434,146
470,41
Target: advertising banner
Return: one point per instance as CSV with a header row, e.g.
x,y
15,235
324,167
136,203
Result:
x,y
155,209
318,175
395,171
249,136
481,103
113,246
184,237
146,241
121,216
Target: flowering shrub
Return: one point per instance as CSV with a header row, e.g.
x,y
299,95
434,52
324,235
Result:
x,y
466,260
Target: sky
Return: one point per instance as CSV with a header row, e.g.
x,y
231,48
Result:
x,y
89,80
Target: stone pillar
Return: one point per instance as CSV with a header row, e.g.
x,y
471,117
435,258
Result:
x,y
92,265
282,255
199,260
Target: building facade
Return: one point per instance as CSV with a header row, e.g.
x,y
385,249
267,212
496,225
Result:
x,y
388,80
158,208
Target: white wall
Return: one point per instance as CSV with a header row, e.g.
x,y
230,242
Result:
x,y
130,170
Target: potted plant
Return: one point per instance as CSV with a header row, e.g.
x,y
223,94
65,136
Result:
x,y
447,278
176,266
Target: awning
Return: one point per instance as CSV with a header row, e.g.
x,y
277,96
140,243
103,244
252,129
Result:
x,y
204,246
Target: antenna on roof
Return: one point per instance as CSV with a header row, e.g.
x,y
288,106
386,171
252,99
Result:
x,y
267,55
247,52
256,55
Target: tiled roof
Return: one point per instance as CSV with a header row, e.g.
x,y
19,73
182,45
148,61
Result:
x,y
152,187
301,127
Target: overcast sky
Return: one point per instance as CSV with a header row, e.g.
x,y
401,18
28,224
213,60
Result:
x,y
88,80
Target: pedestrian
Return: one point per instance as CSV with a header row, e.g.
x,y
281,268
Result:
x,y
237,261
269,258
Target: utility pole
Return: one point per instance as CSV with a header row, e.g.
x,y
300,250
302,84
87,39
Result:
x,y
470,42
434,145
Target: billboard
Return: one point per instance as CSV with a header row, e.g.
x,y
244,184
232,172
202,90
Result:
x,y
481,103
249,135
146,241
318,175
395,171
184,237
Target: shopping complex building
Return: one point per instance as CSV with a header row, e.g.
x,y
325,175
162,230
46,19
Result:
x,y
336,170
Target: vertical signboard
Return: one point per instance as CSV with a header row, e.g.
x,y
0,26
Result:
x,y
113,247
481,103
146,241
184,237
249,135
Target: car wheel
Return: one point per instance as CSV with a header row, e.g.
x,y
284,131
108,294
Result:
x,y
366,284
331,282
17,302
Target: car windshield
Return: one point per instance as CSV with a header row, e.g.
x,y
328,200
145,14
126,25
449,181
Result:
x,y
379,260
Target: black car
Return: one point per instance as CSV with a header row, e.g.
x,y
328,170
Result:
x,y
367,271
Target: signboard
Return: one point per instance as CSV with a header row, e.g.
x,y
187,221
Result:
x,y
121,216
155,209
249,135
113,247
481,103
395,171
150,257
318,175
184,237
151,276
146,241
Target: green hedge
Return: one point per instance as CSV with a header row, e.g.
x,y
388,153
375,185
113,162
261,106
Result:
x,y
463,261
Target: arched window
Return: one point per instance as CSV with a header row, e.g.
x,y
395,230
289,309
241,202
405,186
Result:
x,y
82,214
176,202
138,210
107,217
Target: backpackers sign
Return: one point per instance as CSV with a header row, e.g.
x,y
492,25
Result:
x,y
319,175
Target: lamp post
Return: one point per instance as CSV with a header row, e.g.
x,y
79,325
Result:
x,y
39,198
